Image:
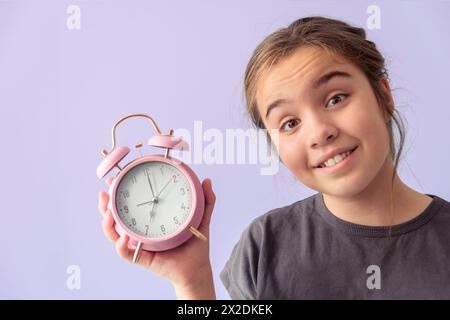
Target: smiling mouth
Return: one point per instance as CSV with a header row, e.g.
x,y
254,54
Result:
x,y
324,166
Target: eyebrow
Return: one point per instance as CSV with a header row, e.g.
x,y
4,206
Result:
x,y
318,83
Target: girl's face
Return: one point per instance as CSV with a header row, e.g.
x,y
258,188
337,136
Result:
x,y
319,105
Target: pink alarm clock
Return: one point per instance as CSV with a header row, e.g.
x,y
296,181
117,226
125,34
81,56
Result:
x,y
156,200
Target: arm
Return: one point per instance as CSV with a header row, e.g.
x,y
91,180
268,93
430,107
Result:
x,y
201,289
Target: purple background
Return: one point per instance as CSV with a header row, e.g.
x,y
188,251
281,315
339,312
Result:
x,y
61,90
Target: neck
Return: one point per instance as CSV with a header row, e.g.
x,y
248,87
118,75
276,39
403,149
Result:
x,y
372,206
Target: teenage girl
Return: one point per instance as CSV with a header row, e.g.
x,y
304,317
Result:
x,y
323,88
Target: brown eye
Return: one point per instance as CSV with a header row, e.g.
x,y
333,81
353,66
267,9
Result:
x,y
289,125
337,98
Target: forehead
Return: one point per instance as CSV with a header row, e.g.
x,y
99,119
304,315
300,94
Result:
x,y
301,68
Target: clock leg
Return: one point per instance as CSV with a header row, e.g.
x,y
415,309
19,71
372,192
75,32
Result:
x,y
137,251
197,233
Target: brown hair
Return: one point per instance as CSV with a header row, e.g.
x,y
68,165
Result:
x,y
336,38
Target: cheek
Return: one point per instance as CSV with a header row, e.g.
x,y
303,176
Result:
x,y
371,130
295,160
292,154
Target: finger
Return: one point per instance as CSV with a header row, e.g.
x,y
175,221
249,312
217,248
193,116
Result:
x,y
109,181
146,258
210,200
103,199
126,251
122,248
108,227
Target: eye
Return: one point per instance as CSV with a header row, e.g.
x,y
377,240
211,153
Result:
x,y
337,98
289,125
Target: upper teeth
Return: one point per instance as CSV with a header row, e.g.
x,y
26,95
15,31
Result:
x,y
335,160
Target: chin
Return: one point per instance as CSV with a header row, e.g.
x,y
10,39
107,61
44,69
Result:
x,y
345,188
341,193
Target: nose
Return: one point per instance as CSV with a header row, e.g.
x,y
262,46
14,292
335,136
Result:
x,y
322,133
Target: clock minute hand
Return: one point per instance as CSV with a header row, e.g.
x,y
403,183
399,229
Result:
x,y
151,188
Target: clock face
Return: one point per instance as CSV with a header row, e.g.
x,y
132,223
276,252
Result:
x,y
154,199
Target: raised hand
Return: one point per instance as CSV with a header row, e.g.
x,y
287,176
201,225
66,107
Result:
x,y
187,267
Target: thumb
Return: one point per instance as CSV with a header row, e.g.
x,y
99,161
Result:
x,y
210,200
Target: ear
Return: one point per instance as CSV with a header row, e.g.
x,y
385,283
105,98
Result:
x,y
388,93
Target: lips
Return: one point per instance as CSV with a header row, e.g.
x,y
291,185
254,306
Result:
x,y
320,165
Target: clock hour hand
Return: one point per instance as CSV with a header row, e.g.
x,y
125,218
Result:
x,y
140,204
154,200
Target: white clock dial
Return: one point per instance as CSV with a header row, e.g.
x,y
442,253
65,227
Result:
x,y
154,199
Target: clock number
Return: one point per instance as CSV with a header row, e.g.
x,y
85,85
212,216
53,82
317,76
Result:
x,y
183,206
174,177
163,229
182,191
133,221
146,229
133,180
175,219
126,194
161,169
125,208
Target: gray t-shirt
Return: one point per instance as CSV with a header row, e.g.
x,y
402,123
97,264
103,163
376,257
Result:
x,y
303,251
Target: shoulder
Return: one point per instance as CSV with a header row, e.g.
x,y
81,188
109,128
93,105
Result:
x,y
440,208
444,206
294,216
266,235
